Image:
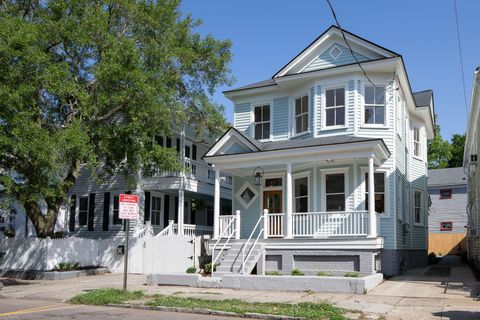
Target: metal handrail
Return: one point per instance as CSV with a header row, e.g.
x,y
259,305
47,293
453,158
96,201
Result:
x,y
265,212
226,242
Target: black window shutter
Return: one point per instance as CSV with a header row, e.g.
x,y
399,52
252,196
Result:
x,y
166,210
194,152
106,210
176,210
73,200
169,142
147,207
178,145
91,212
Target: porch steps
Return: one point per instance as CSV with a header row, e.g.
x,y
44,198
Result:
x,y
232,259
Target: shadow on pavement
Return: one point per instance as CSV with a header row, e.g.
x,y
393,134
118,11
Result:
x,y
458,315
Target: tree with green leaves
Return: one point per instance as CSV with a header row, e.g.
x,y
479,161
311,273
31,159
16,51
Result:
x,y
439,150
91,82
457,146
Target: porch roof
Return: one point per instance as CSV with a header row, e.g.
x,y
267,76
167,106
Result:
x,y
330,147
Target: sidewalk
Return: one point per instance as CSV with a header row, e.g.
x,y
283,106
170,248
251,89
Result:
x,y
419,294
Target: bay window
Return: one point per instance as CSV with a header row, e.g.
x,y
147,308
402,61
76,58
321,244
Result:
x,y
374,105
335,107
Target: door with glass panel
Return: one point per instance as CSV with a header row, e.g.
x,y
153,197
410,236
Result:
x,y
272,200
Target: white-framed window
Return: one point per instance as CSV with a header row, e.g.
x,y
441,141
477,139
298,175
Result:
x,y
417,145
374,112
417,206
156,210
334,189
261,125
116,210
379,185
301,115
246,194
82,211
335,107
301,192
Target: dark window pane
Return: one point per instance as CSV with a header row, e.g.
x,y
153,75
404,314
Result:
x,y
340,97
379,181
258,114
340,121
336,202
266,113
82,211
304,123
379,115
298,106
330,98
273,182
301,204
266,130
335,183
258,131
305,104
330,117
187,151
369,95
298,124
83,204
247,195
379,203
369,112
380,95
301,187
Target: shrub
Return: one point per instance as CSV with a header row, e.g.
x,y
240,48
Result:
x,y
191,270
9,233
207,268
296,272
324,274
58,234
273,273
353,274
66,266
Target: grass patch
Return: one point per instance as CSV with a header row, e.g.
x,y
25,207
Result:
x,y
273,273
296,272
324,274
352,274
307,310
101,297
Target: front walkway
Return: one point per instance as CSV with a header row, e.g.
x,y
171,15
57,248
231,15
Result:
x,y
416,295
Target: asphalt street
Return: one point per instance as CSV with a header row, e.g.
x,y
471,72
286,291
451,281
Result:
x,y
34,309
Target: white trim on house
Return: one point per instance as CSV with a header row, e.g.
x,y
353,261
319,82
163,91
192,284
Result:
x,y
241,190
328,171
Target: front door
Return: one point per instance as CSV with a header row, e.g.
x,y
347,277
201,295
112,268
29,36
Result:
x,y
272,200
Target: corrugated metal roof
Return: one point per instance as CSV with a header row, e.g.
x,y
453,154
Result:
x,y
446,177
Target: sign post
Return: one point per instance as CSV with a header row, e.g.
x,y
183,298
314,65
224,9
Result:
x,y
128,210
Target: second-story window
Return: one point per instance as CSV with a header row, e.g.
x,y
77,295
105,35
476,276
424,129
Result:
x,y
374,105
301,115
335,107
262,122
416,142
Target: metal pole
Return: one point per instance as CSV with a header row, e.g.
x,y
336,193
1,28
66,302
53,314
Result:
x,y
125,263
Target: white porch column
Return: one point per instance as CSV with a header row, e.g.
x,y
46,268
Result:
x,y
288,202
237,224
181,211
372,216
216,205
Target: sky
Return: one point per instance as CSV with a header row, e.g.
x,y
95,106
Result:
x,y
266,34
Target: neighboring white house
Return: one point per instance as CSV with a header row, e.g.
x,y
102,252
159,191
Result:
x,y
470,164
338,160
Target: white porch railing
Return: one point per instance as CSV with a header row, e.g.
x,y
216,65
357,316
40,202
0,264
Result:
x,y
226,227
190,230
198,170
320,224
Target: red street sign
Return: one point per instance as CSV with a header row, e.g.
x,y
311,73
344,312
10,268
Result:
x,y
128,208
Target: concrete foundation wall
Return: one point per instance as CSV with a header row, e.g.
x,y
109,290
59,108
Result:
x,y
395,262
311,262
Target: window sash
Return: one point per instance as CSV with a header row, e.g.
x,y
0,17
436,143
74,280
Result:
x,y
379,192
82,211
374,105
156,210
300,197
301,114
335,108
333,196
416,142
116,210
417,206
262,122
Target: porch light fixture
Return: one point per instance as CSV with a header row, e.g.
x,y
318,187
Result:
x,y
257,176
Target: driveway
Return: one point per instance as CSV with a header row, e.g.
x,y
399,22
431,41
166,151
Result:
x,y
418,294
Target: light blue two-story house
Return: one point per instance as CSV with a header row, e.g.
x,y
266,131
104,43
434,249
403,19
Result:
x,y
329,165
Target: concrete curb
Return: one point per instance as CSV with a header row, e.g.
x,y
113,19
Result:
x,y
249,315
